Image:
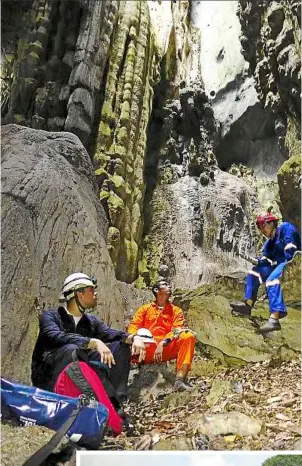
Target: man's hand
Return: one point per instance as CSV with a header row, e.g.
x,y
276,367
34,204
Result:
x,y
106,356
250,259
138,348
158,355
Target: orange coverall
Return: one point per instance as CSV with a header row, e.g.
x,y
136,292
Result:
x,y
161,324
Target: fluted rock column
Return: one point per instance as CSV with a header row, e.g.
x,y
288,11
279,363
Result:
x,y
121,143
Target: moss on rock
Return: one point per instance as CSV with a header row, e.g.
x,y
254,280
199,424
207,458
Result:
x,y
122,130
233,340
289,176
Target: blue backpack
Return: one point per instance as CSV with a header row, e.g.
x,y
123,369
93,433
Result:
x,y
83,420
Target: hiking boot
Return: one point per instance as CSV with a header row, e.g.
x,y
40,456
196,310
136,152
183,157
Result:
x,y
270,326
181,386
241,309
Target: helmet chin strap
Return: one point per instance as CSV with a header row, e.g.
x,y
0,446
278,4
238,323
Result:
x,y
81,308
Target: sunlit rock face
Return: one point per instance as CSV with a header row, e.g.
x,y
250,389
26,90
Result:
x,y
197,217
271,43
247,131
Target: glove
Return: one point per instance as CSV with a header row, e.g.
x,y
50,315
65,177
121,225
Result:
x,y
250,259
178,331
266,261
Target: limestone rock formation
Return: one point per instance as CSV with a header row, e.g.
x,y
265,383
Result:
x,y
52,225
246,129
271,43
121,141
289,179
55,54
120,156
197,218
93,75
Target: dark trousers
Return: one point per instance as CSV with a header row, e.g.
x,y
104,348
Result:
x,y
58,359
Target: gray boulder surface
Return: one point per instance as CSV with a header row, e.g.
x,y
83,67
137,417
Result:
x,y
52,225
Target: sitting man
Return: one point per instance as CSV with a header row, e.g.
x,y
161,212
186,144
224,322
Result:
x,y
282,243
68,327
166,324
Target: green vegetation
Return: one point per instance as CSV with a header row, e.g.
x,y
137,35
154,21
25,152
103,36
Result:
x,y
284,460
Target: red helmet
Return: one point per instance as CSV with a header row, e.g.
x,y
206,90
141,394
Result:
x,y
266,218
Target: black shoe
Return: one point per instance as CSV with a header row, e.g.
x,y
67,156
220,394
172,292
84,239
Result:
x,y
241,309
181,386
271,326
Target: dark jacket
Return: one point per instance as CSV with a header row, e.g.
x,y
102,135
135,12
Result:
x,y
57,329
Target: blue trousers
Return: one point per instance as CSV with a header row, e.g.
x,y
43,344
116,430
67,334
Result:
x,y
271,276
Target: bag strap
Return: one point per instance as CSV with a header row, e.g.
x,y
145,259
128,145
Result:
x,y
114,397
39,456
76,375
82,355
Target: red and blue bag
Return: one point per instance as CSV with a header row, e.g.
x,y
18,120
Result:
x,y
79,378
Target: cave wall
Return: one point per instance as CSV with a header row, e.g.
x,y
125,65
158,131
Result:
x,y
271,43
165,104
120,149
246,131
141,41
89,67
55,53
244,125
197,217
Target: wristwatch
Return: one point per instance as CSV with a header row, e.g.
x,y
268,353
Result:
x,y
166,341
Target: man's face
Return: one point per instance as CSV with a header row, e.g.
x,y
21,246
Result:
x,y
267,229
88,298
163,293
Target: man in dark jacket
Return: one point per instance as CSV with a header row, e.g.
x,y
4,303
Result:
x,y
68,327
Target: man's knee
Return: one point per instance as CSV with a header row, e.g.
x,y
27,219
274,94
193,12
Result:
x,y
187,336
70,347
63,355
121,349
272,283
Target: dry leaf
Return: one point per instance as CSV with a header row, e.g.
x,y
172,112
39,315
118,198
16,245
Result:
x,y
274,399
295,429
230,438
155,439
144,443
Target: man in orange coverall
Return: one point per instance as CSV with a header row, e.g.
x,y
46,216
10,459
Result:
x,y
161,318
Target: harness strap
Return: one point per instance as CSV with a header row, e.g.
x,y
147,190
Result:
x,y
75,374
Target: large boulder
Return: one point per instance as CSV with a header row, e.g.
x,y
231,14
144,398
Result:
x,y
235,340
52,225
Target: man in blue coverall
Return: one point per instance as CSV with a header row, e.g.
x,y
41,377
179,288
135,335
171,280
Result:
x,y
68,327
282,243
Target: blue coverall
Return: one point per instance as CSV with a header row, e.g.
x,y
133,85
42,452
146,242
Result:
x,y
275,255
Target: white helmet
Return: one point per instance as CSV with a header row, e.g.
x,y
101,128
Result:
x,y
146,335
74,282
